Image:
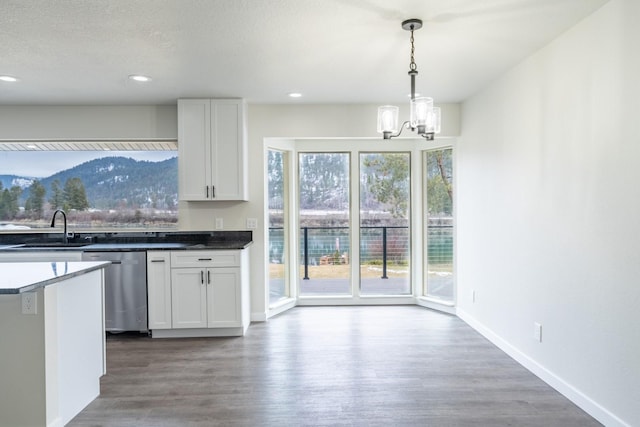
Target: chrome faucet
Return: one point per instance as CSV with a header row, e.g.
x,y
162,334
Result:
x,y
65,239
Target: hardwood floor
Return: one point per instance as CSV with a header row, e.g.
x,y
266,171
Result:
x,y
321,366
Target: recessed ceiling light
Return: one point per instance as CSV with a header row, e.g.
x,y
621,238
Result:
x,y
8,79
295,95
139,78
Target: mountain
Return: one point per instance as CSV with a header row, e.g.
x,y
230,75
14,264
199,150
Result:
x,y
9,181
116,182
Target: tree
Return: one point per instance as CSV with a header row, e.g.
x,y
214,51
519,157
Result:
x,y
75,196
9,202
57,195
35,201
2,204
439,182
324,181
387,179
275,174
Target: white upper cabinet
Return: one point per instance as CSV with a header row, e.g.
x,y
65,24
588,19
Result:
x,y
212,152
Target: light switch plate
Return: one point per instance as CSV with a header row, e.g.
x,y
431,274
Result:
x,y
252,223
219,223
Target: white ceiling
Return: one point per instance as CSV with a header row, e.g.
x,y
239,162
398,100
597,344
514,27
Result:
x,y
332,51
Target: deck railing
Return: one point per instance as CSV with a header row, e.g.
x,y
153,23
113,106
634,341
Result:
x,y
382,245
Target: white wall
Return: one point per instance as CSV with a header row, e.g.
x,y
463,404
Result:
x,y
548,212
88,121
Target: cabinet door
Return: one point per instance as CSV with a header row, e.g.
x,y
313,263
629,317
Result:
x,y
188,298
228,153
194,149
224,297
159,289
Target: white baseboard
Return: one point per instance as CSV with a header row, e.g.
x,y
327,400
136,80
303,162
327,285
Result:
x,y
199,332
570,392
258,317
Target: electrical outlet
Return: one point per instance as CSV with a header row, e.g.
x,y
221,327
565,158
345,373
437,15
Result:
x,y
252,223
219,223
29,303
537,331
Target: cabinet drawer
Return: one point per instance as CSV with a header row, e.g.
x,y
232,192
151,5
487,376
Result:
x,y
180,259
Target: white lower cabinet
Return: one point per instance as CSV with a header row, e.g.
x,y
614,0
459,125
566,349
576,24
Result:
x,y
159,289
224,294
208,293
188,298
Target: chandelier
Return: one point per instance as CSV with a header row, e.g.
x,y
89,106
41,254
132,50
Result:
x,y
424,117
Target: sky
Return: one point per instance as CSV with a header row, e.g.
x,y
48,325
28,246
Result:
x,y
42,164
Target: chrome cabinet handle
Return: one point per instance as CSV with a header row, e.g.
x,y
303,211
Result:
x,y
208,277
204,259
207,191
157,260
201,277
213,191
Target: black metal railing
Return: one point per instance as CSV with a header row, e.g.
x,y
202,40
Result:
x,y
380,245
322,245
384,243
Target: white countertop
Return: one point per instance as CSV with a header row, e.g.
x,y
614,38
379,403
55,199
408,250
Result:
x,y
18,277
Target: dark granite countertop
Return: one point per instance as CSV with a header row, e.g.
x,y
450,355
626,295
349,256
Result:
x,y
123,241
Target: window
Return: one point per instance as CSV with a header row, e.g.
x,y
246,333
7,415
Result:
x,y
279,288
324,220
385,223
101,185
439,225
357,214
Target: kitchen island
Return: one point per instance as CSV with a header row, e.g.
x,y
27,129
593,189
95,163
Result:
x,y
52,351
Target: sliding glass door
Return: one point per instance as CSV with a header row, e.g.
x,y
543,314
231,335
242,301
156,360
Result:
x,y
385,189
377,262
324,220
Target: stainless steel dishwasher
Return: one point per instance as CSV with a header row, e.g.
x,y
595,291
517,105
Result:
x,y
125,299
